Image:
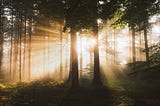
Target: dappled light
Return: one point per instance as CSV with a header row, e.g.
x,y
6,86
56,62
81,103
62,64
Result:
x,y
79,52
46,44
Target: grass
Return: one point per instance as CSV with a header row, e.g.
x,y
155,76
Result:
x,y
118,93
2,86
139,90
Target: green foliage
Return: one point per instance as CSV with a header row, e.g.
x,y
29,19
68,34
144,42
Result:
x,y
2,86
80,14
136,13
52,8
118,24
84,14
45,83
118,13
155,56
110,9
35,84
23,94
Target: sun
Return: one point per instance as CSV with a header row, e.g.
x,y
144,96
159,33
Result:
x,y
84,44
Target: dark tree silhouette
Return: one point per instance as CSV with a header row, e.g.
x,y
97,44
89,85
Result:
x,y
136,14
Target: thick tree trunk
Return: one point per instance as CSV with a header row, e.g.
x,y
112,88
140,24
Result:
x,y
96,78
74,61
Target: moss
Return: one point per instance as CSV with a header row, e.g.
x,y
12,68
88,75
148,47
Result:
x,y
2,86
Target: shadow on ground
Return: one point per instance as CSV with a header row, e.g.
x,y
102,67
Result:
x,y
121,90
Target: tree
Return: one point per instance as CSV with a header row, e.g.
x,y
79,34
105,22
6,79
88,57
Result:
x,y
100,9
1,34
155,55
16,28
136,14
22,12
84,15
70,17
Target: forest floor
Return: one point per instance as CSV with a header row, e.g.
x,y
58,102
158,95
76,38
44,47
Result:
x,y
137,90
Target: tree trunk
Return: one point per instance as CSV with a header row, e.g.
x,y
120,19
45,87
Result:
x,y
80,67
11,52
11,48
16,53
20,59
44,52
20,41
130,45
67,52
70,63
96,79
61,70
146,45
140,46
91,62
24,50
1,37
133,46
115,46
29,50
74,61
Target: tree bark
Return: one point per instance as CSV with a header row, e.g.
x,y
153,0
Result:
x,y
81,63
140,46
133,46
146,45
115,46
1,37
91,61
74,61
61,70
29,49
11,48
24,50
96,78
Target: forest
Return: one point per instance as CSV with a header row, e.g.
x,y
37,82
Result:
x,y
79,52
